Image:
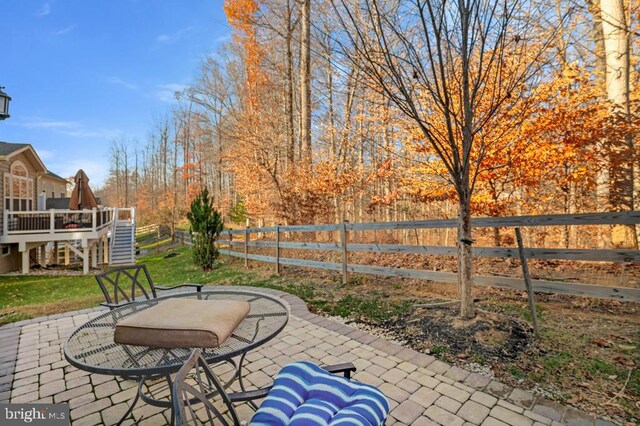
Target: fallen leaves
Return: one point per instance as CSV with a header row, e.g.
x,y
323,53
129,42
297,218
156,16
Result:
x,y
628,362
603,343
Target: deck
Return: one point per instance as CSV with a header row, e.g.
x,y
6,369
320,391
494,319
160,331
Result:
x,y
55,225
31,229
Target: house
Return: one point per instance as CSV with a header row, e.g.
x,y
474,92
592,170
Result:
x,y
29,231
52,186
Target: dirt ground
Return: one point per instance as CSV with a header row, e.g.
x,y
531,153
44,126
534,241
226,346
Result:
x,y
587,354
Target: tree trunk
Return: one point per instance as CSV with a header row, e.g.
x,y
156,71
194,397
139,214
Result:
x,y
602,177
616,42
496,236
597,36
465,259
305,82
126,176
135,180
164,141
332,120
176,188
291,140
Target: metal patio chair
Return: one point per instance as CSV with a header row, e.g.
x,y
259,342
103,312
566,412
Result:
x,y
302,393
126,284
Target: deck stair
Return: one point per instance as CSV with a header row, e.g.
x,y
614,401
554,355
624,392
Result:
x,y
123,243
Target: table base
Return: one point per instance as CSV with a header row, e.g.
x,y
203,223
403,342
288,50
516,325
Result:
x,y
164,403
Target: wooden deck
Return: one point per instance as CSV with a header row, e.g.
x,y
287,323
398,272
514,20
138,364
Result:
x,y
31,229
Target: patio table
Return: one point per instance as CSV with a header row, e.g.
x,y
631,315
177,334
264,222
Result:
x,y
91,347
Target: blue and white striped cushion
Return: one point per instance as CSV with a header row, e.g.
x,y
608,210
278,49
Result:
x,y
304,394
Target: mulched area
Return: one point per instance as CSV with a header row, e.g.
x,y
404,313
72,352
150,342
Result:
x,y
490,337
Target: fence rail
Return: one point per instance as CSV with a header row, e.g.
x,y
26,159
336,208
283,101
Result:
x,y
616,218
345,247
594,255
148,229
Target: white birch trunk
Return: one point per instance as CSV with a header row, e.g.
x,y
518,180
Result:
x,y
616,43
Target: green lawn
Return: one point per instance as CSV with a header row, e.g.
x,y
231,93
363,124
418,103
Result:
x,y
24,297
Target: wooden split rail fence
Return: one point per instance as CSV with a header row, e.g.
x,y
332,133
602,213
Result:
x,y
242,238
148,229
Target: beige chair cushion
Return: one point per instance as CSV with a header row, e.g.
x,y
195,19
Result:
x,y
182,323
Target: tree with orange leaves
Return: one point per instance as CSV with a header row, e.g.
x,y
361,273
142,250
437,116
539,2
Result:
x,y
241,15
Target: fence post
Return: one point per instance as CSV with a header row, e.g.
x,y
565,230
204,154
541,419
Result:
x,y
246,247
278,249
344,240
527,282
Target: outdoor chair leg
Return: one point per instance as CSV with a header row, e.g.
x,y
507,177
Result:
x,y
173,414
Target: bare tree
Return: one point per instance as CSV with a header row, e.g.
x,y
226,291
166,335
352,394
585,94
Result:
x,y
289,110
120,169
213,94
441,63
115,170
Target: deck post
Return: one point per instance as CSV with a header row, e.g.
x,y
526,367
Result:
x,y
25,262
344,240
52,221
105,249
94,253
23,248
66,255
85,257
43,255
527,283
56,253
100,248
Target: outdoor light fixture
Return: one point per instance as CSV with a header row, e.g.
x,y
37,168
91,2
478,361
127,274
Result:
x,y
4,104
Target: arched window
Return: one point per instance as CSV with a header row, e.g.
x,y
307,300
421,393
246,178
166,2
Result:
x,y
18,169
18,188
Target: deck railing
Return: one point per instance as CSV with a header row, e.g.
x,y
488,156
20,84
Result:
x,y
55,221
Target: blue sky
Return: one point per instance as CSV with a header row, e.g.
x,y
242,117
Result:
x,y
83,73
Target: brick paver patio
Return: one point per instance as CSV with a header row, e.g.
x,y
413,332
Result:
x,y
421,389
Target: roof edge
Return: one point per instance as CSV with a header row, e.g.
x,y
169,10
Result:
x,y
28,147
